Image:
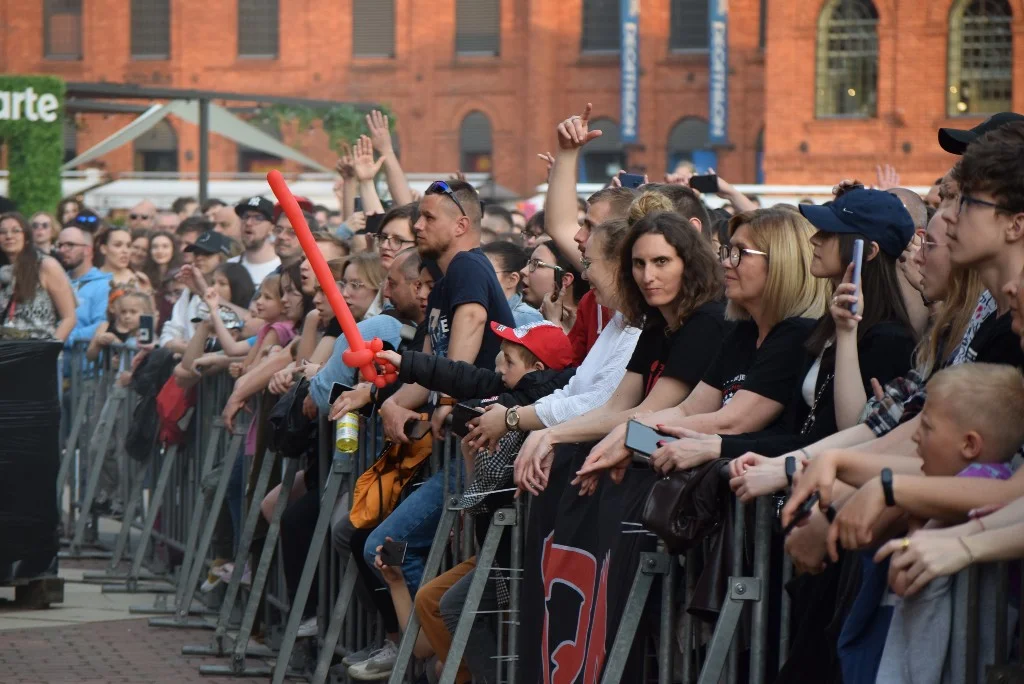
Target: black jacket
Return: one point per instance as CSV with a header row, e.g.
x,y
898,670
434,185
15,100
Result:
x,y
478,386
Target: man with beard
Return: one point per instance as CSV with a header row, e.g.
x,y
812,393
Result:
x,y
258,257
91,285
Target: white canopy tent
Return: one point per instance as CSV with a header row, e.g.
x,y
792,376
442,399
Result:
x,y
222,122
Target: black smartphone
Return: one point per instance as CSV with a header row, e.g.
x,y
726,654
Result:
x,y
706,183
805,510
631,180
373,223
461,415
146,329
392,553
643,440
336,390
418,428
358,204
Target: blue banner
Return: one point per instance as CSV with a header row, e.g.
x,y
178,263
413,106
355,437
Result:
x,y
718,72
629,15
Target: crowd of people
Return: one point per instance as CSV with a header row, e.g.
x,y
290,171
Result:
x,y
878,403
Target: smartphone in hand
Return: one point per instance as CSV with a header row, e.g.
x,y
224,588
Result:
x,y
643,440
146,329
461,416
631,180
392,553
706,183
858,263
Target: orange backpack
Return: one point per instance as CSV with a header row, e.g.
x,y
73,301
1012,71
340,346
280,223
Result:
x,y
378,490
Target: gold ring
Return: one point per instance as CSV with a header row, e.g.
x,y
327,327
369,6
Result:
x,y
905,543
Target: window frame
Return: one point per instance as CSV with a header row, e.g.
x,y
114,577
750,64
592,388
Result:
x,y
394,38
496,52
824,54
675,5
49,12
597,51
262,55
955,58
147,56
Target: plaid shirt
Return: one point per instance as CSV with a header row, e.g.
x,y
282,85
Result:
x,y
492,471
904,397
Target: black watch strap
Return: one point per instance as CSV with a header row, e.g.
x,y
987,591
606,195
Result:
x,y
886,477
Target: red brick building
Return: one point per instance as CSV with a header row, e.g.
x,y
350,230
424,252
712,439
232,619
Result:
x,y
480,84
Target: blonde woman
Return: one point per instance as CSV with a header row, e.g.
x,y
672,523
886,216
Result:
x,y
775,302
45,230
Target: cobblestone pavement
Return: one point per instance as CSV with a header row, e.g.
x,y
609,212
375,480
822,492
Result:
x,y
121,651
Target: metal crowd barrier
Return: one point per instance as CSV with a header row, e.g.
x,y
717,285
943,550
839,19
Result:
x,y
685,649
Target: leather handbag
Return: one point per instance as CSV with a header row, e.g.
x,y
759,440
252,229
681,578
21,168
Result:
x,y
291,432
686,506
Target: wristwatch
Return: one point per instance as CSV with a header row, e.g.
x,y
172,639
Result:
x,y
512,418
886,477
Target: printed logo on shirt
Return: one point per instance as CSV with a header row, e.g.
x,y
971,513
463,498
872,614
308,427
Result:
x,y
439,332
730,388
657,368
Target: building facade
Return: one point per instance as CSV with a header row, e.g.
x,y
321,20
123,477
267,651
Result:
x,y
817,89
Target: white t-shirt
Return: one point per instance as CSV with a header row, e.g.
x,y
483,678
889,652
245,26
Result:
x,y
257,271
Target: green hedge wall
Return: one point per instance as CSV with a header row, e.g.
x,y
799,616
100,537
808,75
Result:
x,y
35,149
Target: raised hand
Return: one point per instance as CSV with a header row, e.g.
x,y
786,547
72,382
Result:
x,y
212,299
886,177
574,132
549,161
380,132
365,167
345,167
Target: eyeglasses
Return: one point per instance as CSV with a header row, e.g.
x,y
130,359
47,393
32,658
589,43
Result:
x,y
442,188
968,201
929,245
70,245
734,254
40,224
533,264
281,230
139,217
352,285
393,241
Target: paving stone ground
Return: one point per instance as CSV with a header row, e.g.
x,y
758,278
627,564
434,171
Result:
x,y
119,651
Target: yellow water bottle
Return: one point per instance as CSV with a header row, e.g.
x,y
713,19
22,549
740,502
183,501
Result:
x,y
346,433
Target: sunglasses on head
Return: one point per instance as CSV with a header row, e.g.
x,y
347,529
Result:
x,y
86,218
137,217
442,188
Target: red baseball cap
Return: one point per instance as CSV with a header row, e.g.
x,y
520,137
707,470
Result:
x,y
305,204
547,341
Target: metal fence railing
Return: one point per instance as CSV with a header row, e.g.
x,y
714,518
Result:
x,y
172,501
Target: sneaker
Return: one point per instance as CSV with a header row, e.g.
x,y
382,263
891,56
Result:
x,y
308,628
359,656
213,578
378,666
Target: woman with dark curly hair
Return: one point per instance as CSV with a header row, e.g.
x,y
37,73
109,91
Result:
x,y
670,286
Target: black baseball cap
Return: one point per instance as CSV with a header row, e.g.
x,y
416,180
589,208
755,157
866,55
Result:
x,y
878,216
211,242
956,140
260,204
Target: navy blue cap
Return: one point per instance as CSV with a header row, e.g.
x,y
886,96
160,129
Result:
x,y
956,140
878,216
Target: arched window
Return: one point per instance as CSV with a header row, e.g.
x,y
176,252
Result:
x,y
157,149
475,144
252,160
847,66
980,57
602,157
688,142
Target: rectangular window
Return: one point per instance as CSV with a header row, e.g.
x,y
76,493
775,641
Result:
x,y
601,26
689,25
62,29
373,28
151,29
477,27
258,28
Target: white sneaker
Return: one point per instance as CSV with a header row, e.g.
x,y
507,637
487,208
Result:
x,y
308,628
378,666
358,656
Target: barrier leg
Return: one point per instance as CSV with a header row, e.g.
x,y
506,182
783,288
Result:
x,y
222,644
741,590
134,499
515,577
485,560
132,585
666,624
108,416
651,565
341,605
237,666
759,618
77,421
412,628
309,568
181,617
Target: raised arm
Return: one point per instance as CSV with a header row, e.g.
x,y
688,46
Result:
x,y
366,170
380,135
560,208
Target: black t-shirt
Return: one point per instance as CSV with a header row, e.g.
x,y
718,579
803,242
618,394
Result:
x,y
770,370
995,342
333,329
470,279
683,354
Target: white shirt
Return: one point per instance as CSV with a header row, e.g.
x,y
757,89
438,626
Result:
x,y
595,379
179,326
257,271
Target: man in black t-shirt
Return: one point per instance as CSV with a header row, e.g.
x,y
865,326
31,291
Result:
x,y
461,303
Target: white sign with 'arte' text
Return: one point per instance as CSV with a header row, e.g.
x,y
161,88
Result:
x,y
26,104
